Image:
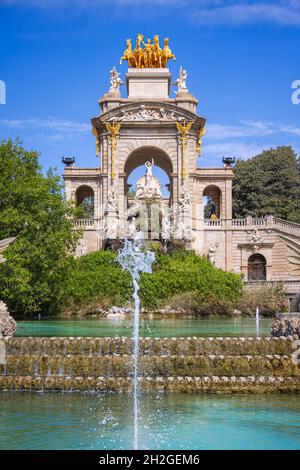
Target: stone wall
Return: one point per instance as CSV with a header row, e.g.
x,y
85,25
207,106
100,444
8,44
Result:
x,y
171,364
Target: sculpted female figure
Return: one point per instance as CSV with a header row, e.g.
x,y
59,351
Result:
x,y
147,53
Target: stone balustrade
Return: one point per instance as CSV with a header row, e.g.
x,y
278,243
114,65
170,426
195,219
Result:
x,y
290,286
235,224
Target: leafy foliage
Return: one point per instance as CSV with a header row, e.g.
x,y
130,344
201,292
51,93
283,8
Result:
x,y
98,276
268,183
269,299
32,208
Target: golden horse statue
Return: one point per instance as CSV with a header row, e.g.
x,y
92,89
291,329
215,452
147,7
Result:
x,y
151,56
166,53
128,54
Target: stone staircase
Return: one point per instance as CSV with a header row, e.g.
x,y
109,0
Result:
x,y
166,364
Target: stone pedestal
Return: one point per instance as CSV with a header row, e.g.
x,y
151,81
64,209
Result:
x,y
148,83
186,100
110,100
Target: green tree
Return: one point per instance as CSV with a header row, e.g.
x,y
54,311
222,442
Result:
x,y
33,209
268,183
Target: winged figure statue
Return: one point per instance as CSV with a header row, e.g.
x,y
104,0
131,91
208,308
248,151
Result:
x,y
184,128
113,128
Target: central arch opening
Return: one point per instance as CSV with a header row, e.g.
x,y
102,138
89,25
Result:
x,y
148,183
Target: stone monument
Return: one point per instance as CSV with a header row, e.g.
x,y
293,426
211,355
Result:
x,y
150,126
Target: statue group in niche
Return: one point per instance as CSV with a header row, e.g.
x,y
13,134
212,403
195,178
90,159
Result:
x,y
148,187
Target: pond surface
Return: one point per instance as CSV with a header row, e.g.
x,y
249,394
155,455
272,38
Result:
x,y
89,421
213,326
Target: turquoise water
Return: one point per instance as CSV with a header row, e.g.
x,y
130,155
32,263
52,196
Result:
x,y
214,326
88,421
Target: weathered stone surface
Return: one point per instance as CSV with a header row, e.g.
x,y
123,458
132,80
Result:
x,y
289,326
7,323
218,365
149,346
186,384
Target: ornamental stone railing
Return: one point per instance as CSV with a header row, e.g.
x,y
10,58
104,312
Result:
x,y
250,222
290,286
85,223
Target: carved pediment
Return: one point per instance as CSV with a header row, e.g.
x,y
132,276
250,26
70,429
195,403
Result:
x,y
149,112
144,113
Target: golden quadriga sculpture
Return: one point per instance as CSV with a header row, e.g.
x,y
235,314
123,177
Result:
x,y
151,56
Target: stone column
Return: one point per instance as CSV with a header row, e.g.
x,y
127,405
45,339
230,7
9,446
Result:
x,y
228,224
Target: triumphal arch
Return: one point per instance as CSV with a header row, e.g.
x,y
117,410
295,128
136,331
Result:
x,y
156,125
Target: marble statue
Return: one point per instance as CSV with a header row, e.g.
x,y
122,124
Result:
x,y
255,240
166,226
115,81
7,323
184,199
112,201
212,252
149,165
148,186
181,82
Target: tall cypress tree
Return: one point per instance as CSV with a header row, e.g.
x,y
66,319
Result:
x,y
268,183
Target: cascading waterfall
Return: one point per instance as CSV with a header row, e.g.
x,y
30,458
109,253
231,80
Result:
x,y
136,259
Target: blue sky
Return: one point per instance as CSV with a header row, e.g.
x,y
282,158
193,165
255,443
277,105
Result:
x,y
241,58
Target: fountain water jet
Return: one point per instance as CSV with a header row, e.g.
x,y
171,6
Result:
x,y
257,318
136,259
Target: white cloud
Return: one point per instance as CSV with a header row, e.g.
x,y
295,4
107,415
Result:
x,y
204,12
52,124
239,13
249,128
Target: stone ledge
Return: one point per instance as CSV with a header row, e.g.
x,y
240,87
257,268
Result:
x,y
148,346
151,366
215,384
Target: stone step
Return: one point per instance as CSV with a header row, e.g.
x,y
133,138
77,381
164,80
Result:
x,y
148,346
159,365
214,384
